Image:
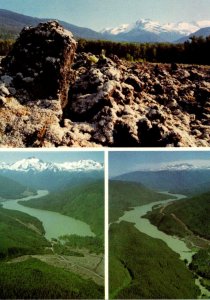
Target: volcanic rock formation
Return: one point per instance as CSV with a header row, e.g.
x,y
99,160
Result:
x,y
110,102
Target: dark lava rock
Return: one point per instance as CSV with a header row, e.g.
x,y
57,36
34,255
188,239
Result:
x,y
123,136
40,61
135,82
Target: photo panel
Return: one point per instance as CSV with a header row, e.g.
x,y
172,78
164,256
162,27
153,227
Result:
x,y
159,225
112,73
51,224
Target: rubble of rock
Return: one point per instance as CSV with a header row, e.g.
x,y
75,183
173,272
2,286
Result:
x,y
110,103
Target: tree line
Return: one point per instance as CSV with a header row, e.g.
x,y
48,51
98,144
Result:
x,y
194,51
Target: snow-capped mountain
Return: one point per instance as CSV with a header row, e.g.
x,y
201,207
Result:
x,y
116,30
168,31
36,165
81,165
53,176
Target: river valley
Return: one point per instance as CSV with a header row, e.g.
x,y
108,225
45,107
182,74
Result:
x,y
88,265
55,224
179,246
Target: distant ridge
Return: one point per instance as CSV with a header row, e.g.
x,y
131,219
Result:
x,y
183,178
143,30
203,32
12,23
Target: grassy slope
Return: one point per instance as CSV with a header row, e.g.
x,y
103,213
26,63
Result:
x,y
16,236
123,195
10,188
194,212
33,279
145,268
85,202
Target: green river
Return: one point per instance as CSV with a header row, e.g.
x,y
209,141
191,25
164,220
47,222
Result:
x,y
55,224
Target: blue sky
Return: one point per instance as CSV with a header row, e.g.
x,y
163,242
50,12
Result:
x,y
51,156
97,14
128,161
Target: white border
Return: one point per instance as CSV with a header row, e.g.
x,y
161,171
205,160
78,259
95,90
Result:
x,y
106,221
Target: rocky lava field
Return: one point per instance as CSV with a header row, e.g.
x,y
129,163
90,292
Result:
x,y
52,96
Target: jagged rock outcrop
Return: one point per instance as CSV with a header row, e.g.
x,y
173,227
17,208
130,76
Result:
x,y
110,103
142,105
40,61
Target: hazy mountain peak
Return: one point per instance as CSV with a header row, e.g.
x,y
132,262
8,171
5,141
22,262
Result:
x,y
179,166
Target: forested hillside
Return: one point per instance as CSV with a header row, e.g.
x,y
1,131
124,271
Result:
x,y
84,202
20,234
145,268
125,195
193,212
11,189
200,265
32,267
194,51
33,279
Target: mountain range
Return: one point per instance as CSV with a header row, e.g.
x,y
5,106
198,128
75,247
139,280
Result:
x,y
34,164
37,174
148,30
10,189
143,30
184,178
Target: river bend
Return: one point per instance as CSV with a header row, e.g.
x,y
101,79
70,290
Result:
x,y
55,224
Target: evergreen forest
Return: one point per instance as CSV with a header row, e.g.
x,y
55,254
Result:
x,y
194,51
